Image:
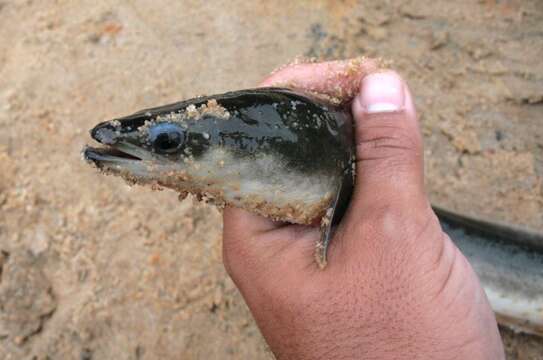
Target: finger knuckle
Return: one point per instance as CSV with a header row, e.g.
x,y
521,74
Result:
x,y
386,135
392,144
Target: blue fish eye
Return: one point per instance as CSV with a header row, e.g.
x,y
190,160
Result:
x,y
166,138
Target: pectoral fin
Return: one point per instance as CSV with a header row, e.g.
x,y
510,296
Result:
x,y
333,216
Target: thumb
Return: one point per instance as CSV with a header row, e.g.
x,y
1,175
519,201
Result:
x,y
389,152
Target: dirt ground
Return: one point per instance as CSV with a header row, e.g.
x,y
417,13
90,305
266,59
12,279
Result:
x,y
94,269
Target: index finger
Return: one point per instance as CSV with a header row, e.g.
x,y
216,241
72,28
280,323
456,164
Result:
x,y
338,81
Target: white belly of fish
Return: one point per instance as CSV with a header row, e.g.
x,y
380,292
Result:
x,y
261,184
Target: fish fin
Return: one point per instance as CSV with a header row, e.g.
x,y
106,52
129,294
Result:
x,y
333,216
324,240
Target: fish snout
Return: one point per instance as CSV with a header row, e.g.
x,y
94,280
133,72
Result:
x,y
106,133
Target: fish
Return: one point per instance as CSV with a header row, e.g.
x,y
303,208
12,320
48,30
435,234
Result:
x,y
509,263
289,156
276,152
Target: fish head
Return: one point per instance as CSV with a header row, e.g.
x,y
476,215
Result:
x,y
147,147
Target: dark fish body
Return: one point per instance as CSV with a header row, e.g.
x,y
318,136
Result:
x,y
289,156
272,151
509,263
308,134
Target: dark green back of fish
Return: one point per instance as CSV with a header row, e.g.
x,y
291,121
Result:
x,y
307,134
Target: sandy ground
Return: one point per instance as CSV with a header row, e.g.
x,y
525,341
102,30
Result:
x,y
94,269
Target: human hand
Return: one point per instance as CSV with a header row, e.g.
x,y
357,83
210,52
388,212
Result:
x,y
395,287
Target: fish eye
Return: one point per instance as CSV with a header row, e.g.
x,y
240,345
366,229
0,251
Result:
x,y
166,138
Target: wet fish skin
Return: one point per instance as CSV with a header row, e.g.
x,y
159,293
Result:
x,y
509,263
292,125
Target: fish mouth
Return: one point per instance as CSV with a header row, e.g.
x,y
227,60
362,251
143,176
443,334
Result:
x,y
133,163
114,149
100,155
121,153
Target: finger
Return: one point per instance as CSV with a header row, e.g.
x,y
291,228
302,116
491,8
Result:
x,y
239,220
337,80
389,153
240,228
252,245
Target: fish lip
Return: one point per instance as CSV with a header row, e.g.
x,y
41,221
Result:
x,y
120,153
115,148
100,155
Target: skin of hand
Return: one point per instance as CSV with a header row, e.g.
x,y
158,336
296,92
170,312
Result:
x,y
395,287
